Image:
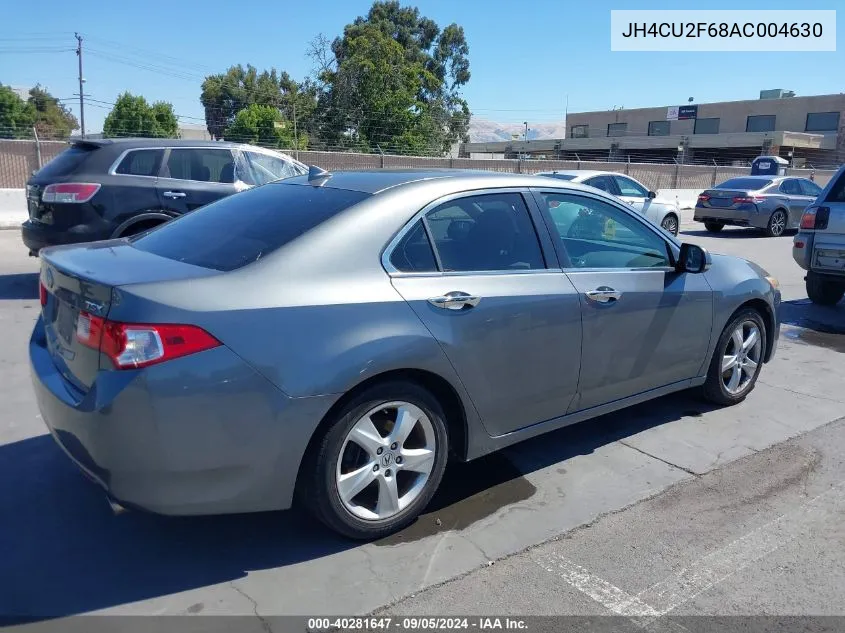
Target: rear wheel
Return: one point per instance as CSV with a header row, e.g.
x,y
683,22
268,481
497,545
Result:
x,y
738,358
777,223
714,227
670,223
823,291
379,463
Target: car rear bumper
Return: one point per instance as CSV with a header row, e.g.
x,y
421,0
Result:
x,y
36,235
733,217
203,434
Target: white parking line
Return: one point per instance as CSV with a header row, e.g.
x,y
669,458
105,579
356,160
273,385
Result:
x,y
667,595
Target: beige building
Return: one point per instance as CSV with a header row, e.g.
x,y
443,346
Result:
x,y
804,130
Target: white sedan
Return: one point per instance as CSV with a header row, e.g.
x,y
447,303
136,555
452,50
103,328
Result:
x,y
664,213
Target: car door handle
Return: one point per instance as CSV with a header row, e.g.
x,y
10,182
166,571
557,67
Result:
x,y
174,194
604,294
455,300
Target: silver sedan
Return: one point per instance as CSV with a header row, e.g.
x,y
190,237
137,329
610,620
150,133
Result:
x,y
340,337
664,213
771,203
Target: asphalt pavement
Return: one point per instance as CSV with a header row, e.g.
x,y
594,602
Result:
x,y
662,486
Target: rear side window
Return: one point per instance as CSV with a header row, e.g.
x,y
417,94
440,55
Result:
x,y
837,191
748,184
141,162
413,253
68,161
202,164
605,183
791,187
242,228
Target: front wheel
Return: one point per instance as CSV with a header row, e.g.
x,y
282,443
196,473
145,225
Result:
x,y
824,292
670,224
379,463
714,227
738,358
777,224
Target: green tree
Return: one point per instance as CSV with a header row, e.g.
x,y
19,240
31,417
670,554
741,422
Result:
x,y
133,116
393,81
264,125
52,119
17,117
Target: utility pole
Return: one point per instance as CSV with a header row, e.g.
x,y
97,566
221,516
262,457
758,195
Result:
x,y
295,134
81,81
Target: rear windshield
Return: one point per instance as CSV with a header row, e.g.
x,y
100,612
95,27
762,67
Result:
x,y
238,230
66,162
747,184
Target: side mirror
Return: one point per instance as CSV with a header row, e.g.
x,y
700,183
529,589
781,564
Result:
x,y
652,195
693,259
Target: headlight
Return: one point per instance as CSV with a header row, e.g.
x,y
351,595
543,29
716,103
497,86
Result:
x,y
773,281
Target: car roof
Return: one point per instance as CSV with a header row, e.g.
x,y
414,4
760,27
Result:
x,y
578,173
373,181
126,143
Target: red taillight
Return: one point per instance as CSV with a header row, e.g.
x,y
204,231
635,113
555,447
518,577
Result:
x,y
42,293
70,192
703,197
815,218
748,200
132,345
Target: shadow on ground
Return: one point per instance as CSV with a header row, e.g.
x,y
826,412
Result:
x,y
19,286
64,552
803,313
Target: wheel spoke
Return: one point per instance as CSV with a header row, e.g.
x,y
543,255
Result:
x,y
736,377
419,460
749,366
351,484
365,435
736,337
751,340
388,497
728,361
405,423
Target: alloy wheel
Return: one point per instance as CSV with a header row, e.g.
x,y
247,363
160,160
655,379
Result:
x,y
741,357
777,223
670,224
385,460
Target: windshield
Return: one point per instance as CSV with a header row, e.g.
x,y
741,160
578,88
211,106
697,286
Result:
x,y
242,228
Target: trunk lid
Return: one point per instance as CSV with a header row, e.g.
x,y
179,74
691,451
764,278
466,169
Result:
x,y
79,281
724,198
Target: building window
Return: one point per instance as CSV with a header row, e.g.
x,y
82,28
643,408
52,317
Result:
x,y
617,129
760,123
658,128
822,122
580,131
706,126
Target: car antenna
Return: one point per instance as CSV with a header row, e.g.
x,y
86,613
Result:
x,y
317,175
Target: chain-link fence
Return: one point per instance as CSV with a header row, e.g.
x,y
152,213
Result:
x,y
19,158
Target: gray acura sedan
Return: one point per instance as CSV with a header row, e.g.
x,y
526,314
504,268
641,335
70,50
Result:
x,y
336,338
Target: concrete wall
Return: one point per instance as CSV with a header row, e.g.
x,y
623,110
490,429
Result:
x,y
12,208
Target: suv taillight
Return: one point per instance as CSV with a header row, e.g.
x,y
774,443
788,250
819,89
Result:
x,y
133,345
70,192
815,218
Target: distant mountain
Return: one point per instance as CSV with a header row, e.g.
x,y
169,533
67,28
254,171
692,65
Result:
x,y
484,131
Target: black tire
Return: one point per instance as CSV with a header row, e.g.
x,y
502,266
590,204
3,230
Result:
x,y
714,227
777,223
824,292
671,224
319,492
714,388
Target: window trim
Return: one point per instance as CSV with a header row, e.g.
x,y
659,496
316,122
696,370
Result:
x,y
529,201
672,244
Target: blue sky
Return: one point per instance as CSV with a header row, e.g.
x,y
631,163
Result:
x,y
525,57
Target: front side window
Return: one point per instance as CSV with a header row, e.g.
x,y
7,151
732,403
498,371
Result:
x,y
596,234
628,187
202,165
141,162
605,183
706,126
492,232
266,168
809,187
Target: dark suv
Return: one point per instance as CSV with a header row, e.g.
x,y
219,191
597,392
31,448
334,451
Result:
x,y
100,189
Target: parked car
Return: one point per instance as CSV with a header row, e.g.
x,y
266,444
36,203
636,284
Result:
x,y
819,246
664,213
100,189
771,203
238,356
